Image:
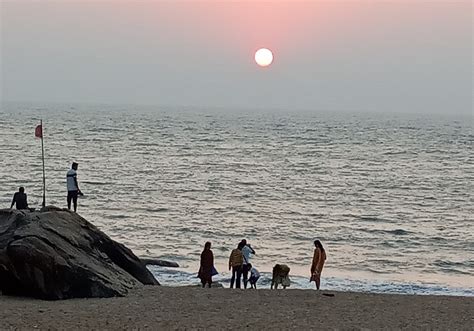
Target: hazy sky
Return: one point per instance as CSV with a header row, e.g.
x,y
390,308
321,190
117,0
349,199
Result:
x,y
410,56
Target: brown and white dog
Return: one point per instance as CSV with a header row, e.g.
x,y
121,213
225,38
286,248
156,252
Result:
x,y
280,276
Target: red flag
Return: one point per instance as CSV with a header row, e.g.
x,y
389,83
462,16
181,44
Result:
x,y
39,131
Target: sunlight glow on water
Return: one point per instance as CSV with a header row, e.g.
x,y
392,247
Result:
x,y
388,195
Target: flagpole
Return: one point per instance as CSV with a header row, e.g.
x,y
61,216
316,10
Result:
x,y
44,176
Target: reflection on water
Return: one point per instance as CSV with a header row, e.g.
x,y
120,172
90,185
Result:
x,y
389,196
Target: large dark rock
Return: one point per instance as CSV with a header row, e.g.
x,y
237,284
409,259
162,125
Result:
x,y
56,254
159,262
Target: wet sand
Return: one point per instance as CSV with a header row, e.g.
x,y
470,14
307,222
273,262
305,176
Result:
x,y
195,308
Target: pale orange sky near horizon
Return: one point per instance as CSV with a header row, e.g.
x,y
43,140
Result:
x,y
351,55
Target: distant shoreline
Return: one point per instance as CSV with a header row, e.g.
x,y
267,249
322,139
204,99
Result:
x,y
192,307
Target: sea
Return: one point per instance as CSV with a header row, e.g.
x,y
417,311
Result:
x,y
389,195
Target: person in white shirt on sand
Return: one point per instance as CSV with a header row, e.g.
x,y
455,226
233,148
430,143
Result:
x,y
247,251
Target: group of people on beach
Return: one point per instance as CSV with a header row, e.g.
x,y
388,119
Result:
x,y
20,199
239,259
239,264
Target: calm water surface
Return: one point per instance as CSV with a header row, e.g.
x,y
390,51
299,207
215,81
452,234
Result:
x,y
390,196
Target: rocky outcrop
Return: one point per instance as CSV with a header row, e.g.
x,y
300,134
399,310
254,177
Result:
x,y
56,254
158,262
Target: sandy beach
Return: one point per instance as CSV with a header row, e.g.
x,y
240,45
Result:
x,y
218,308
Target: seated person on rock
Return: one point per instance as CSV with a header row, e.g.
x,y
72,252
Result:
x,y
20,199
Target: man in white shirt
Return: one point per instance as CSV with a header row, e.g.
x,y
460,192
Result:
x,y
247,251
72,186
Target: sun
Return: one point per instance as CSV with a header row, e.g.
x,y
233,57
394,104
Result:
x,y
264,57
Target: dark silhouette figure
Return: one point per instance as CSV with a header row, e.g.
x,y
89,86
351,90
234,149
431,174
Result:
x,y
319,257
72,186
207,265
20,199
281,276
236,260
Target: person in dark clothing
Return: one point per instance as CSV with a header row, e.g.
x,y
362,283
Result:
x,y
20,199
207,265
236,261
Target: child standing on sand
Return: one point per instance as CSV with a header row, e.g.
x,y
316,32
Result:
x,y
319,257
254,276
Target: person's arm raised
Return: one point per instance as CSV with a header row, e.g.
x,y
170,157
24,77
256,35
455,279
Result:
x,y
252,250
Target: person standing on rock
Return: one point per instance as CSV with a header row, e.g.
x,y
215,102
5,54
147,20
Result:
x,y
72,186
20,199
207,265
